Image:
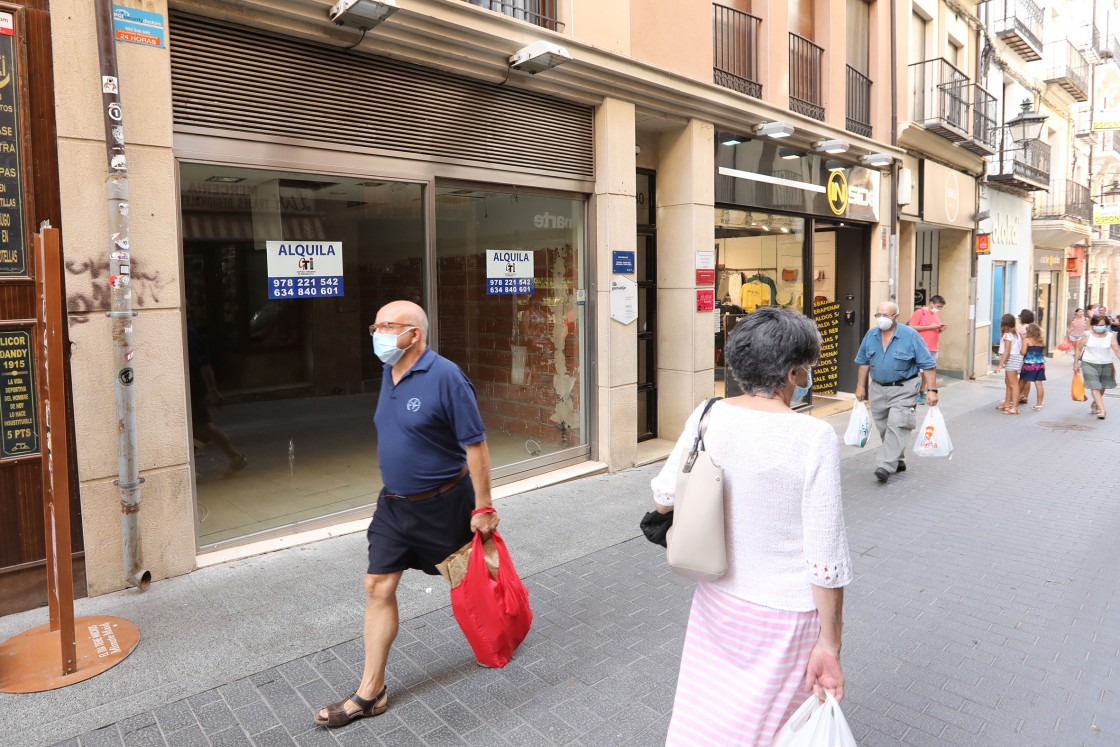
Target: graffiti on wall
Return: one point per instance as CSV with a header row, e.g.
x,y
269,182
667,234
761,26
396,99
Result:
x,y
145,287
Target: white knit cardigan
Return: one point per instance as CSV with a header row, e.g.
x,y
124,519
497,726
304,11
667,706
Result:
x,y
784,515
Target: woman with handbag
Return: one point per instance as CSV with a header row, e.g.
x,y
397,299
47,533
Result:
x,y
768,630
1093,358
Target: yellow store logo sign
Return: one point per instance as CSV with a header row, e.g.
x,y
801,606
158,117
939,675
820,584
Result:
x,y
837,192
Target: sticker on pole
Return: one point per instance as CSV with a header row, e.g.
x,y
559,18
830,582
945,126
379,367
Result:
x,y
508,272
304,269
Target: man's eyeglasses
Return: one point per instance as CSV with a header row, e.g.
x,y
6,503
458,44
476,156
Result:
x,y
389,328
884,316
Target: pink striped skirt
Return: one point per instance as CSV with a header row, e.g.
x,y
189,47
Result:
x,y
742,671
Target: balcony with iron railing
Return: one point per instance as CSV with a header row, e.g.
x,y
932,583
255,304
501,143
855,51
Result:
x,y
806,77
1066,200
1083,123
1024,167
858,103
735,37
537,12
985,133
939,98
1067,68
1019,24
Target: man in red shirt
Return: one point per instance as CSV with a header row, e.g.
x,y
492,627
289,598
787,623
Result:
x,y
926,321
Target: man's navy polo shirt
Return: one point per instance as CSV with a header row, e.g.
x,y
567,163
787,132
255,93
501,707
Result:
x,y
906,354
423,423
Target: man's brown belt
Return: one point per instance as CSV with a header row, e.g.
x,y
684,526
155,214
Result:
x,y
432,493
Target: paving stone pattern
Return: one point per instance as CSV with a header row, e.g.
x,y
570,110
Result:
x,y
985,611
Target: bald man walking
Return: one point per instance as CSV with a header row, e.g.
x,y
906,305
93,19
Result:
x,y
435,466
894,356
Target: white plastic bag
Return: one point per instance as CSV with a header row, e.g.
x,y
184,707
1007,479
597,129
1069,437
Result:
x,y
933,436
859,426
816,724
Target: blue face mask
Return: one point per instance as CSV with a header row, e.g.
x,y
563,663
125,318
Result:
x,y
801,392
385,347
1099,330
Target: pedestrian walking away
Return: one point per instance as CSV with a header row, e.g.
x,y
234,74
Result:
x,y
926,321
766,633
1010,363
893,356
1034,363
435,466
1094,358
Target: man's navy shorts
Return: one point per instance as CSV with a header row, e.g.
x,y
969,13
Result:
x,y
405,534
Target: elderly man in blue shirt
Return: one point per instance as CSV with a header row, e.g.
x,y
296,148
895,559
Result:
x,y
894,356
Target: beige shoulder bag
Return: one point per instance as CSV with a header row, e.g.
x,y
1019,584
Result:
x,y
697,545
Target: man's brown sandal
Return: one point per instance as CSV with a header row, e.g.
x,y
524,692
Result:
x,y
337,715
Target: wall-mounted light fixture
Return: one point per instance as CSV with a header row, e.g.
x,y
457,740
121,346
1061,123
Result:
x,y
728,139
831,146
789,154
774,129
362,14
832,165
876,160
538,57
1027,125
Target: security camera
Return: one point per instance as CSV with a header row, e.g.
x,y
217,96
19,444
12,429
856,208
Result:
x,y
538,56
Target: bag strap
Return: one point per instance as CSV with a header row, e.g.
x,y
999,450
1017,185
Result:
x,y
698,443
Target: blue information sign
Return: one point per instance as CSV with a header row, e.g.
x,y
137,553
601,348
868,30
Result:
x,y
312,287
622,263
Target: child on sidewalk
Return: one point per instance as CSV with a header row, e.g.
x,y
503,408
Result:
x,y
1034,363
1010,362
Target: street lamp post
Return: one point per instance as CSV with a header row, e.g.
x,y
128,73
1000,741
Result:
x,y
1026,126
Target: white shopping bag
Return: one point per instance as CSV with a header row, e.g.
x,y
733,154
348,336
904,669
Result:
x,y
816,724
933,436
859,426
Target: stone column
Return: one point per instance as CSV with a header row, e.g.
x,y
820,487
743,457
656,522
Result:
x,y
685,225
615,214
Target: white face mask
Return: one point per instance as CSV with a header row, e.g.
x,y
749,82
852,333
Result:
x,y
884,322
935,309
385,346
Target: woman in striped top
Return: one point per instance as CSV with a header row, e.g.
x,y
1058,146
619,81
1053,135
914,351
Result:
x,y
767,633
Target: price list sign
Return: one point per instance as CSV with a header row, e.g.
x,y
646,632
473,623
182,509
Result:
x,y
19,412
825,374
13,246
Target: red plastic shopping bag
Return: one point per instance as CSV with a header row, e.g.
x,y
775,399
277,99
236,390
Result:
x,y
493,613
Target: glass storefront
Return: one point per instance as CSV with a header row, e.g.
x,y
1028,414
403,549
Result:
x,y
297,378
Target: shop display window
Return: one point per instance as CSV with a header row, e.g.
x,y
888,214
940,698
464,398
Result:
x,y
522,345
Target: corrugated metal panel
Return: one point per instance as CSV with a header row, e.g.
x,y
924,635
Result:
x,y
230,77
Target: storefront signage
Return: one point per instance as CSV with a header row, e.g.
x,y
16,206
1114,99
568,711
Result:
x,y
1075,261
304,269
13,243
948,196
138,26
827,371
706,268
1107,214
983,243
19,411
622,263
1108,119
706,300
509,273
624,299
753,174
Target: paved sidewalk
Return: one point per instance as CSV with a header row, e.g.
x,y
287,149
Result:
x,y
985,611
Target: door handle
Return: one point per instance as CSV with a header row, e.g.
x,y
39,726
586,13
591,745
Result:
x,y
849,317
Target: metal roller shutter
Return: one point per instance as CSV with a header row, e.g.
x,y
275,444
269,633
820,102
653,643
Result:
x,y
228,77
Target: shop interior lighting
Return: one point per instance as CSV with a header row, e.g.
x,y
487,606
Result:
x,y
877,160
362,14
789,154
831,146
539,56
774,129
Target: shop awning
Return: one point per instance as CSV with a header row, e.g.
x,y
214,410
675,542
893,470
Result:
x,y
239,227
